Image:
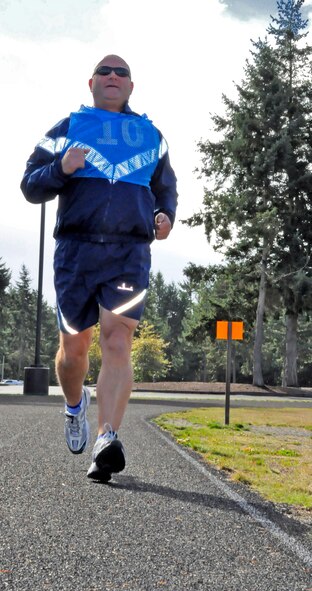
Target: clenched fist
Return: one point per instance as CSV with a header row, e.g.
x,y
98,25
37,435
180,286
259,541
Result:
x,y
73,159
162,226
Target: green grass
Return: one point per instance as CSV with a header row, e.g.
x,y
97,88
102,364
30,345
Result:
x,y
263,448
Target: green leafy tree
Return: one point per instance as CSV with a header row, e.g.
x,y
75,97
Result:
x,y
95,356
149,358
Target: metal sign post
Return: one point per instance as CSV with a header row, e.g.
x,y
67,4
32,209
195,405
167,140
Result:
x,y
229,331
2,367
36,377
228,375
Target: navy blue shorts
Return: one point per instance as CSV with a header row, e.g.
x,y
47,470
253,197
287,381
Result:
x,y
88,275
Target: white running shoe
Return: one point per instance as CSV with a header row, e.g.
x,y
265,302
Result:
x,y
108,456
77,430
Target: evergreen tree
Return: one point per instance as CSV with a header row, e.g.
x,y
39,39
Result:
x,y
5,276
223,292
257,170
20,329
293,255
49,338
21,342
239,202
165,309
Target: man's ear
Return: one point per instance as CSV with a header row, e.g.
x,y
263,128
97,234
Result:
x,y
90,84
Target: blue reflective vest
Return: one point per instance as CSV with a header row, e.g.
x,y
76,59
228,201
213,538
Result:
x,y
122,146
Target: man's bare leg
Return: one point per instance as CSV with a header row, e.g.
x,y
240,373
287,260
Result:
x,y
115,378
72,364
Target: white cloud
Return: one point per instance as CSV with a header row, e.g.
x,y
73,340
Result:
x,y
48,19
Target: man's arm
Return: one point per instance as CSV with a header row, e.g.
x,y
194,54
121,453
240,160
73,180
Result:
x,y
44,175
164,187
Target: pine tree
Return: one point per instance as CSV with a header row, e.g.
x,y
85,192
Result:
x,y
293,255
257,171
239,203
165,309
5,276
222,292
22,323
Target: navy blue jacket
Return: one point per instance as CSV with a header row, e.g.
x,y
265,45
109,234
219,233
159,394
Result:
x,y
95,209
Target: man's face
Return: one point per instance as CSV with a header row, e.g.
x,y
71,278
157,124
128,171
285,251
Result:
x,y
111,92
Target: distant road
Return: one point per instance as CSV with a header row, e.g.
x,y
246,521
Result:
x,y
14,394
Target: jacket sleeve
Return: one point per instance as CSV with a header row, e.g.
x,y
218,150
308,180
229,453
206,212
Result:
x,y
164,187
44,177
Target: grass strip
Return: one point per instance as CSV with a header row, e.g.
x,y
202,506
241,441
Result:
x,y
267,449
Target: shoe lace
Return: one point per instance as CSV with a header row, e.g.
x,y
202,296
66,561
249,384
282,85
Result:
x,y
73,424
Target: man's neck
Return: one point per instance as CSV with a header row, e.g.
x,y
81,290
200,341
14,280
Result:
x,y
111,107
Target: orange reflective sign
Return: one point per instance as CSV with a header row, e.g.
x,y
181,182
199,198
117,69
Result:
x,y
223,330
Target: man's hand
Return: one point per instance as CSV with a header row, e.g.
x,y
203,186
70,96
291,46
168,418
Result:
x,y
73,159
162,226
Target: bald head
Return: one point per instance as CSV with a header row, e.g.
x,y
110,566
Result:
x,y
111,60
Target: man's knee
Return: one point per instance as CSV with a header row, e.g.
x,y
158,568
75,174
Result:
x,y
116,338
74,347
117,343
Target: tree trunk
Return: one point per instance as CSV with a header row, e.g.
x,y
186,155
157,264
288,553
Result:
x,y
204,366
259,333
290,376
21,354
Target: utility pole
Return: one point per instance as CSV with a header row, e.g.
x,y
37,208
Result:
x,y
228,375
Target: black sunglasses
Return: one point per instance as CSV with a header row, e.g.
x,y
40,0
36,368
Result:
x,y
106,70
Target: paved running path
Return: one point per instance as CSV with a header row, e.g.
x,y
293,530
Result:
x,y
165,523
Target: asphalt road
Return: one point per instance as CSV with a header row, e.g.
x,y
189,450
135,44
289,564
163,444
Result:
x,y
166,523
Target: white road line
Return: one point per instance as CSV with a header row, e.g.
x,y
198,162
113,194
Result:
x,y
288,541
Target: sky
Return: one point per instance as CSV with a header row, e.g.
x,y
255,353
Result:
x,y
183,55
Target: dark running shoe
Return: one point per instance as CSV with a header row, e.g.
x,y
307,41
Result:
x,y
108,456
